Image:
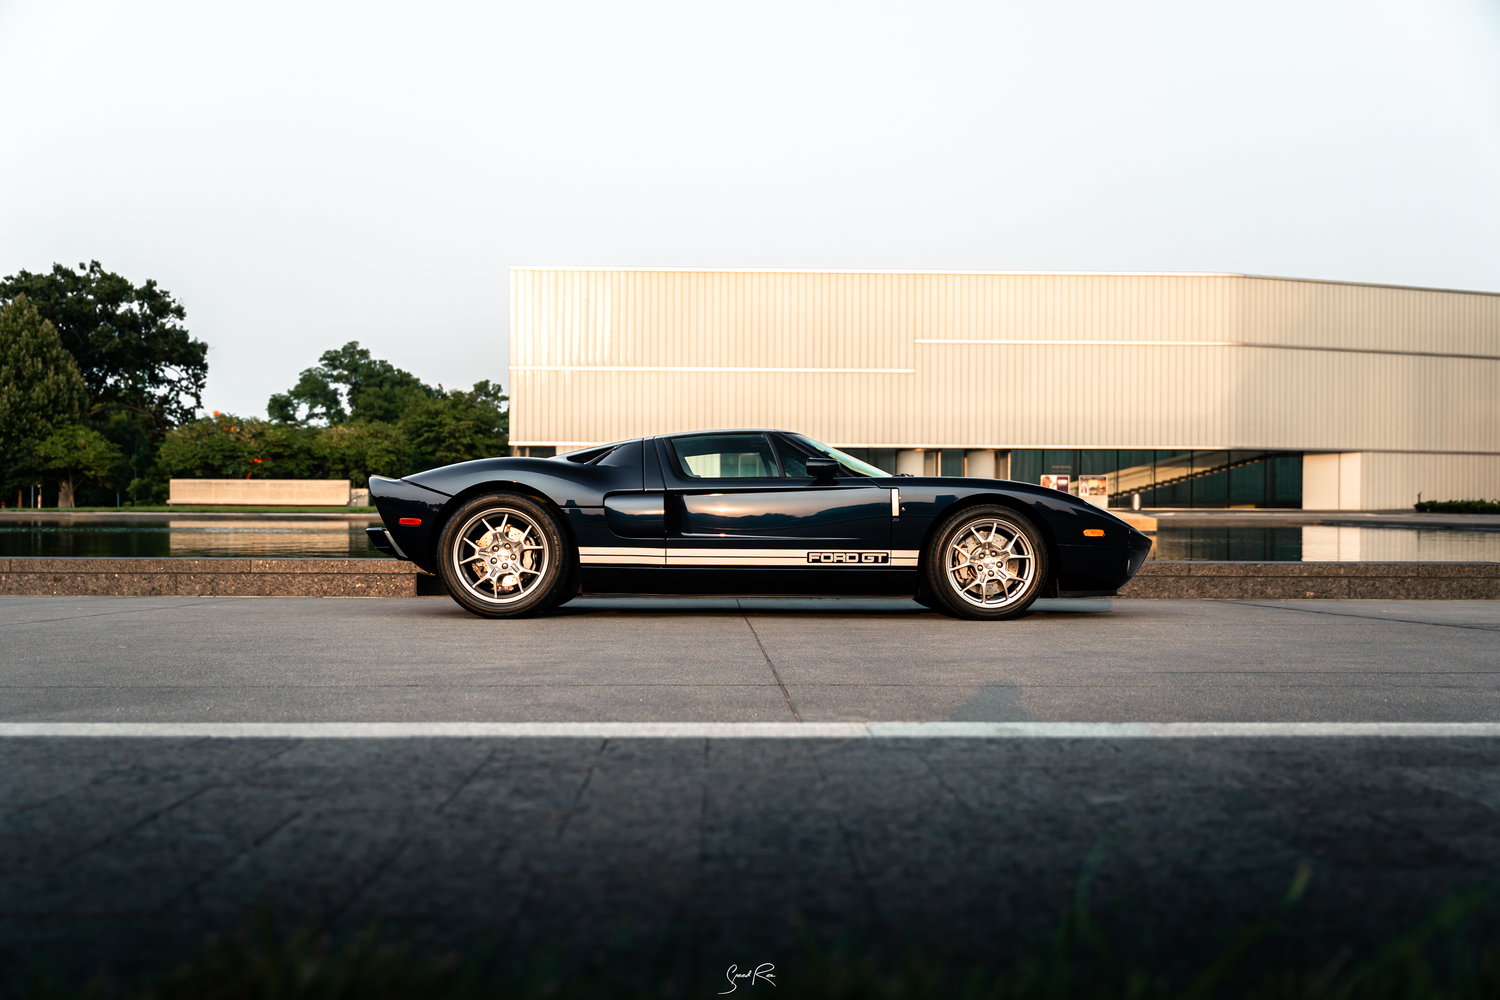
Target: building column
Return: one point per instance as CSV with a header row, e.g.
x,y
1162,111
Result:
x,y
1332,481
979,463
909,462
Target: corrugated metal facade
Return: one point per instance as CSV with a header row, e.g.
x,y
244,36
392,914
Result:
x,y
1005,360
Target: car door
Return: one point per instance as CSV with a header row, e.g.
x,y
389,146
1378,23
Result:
x,y
732,507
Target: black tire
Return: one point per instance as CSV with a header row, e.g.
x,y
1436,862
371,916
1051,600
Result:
x,y
569,587
504,555
1009,568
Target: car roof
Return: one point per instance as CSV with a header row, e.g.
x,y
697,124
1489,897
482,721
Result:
x,y
730,430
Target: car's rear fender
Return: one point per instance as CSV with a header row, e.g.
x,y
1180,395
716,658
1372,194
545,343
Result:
x,y
480,489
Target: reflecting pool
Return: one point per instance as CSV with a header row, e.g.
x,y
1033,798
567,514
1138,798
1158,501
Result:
x,y
201,538
1323,543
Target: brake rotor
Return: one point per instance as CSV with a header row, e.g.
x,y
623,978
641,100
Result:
x,y
503,556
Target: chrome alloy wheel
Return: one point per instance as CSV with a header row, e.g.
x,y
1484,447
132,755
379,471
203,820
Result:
x,y
990,563
500,556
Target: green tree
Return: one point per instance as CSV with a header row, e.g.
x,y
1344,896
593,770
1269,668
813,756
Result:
x,y
223,446
380,420
40,387
128,340
492,395
357,451
457,426
372,388
75,454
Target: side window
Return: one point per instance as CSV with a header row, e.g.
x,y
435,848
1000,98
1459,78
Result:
x,y
792,459
725,456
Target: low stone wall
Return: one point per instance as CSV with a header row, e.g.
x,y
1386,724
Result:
x,y
261,492
390,578
215,578
1287,581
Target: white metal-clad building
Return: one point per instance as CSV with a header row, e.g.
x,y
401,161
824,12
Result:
x,y
1188,389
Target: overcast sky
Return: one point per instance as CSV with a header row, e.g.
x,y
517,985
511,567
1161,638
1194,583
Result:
x,y
301,175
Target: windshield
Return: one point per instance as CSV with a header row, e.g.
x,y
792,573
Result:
x,y
847,461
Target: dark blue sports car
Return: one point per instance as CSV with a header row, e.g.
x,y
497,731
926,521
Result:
x,y
744,512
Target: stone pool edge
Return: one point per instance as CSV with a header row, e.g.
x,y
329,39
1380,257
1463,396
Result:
x,y
32,576
1336,581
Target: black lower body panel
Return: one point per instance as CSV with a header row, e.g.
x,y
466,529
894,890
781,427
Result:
x,y
381,542
1093,569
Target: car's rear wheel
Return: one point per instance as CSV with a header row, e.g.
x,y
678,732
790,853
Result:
x,y
504,556
987,563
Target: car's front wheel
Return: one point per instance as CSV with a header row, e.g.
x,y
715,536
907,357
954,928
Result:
x,y
504,556
987,563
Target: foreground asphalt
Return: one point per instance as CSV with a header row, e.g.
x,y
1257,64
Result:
x,y
698,852
310,660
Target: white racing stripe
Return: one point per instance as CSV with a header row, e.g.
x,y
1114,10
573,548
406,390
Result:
x,y
621,555
788,558
752,730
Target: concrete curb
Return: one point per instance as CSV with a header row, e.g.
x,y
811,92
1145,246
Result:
x,y
390,578
1285,581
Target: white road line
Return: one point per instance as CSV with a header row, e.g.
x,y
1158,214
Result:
x,y
749,730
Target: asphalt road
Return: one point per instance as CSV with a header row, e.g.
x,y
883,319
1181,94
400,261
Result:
x,y
694,854
307,660
123,853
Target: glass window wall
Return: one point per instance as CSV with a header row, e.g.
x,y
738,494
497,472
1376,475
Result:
x,y
1171,478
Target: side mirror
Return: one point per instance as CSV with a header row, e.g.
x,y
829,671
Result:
x,y
822,469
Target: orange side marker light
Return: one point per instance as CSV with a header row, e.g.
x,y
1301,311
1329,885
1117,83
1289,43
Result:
x,y
418,520
1087,532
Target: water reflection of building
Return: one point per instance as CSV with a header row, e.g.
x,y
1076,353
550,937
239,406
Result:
x,y
1183,389
1324,543
101,535
1327,543
218,538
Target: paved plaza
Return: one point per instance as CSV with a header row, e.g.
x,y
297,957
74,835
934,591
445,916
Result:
x,y
727,660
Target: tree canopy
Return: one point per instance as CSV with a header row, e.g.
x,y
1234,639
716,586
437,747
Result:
x,y
457,426
373,389
40,387
75,454
224,446
128,340
100,384
448,426
378,419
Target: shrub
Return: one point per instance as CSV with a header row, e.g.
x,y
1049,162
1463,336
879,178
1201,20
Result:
x,y
356,451
223,446
1459,506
